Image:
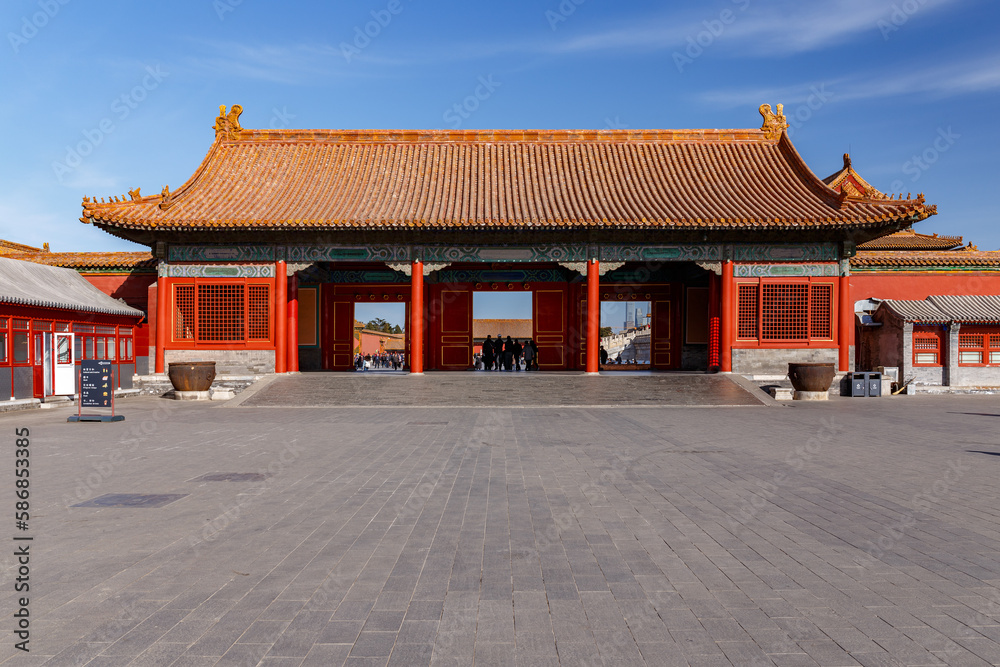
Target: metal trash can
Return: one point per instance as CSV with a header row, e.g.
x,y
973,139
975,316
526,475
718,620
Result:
x,y
874,384
859,384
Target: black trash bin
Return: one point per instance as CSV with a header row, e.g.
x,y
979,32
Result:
x,y
874,384
859,383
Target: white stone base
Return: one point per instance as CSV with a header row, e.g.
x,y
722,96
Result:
x,y
223,394
811,396
193,395
782,393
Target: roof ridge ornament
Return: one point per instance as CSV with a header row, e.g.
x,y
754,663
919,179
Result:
x,y
774,123
166,198
227,126
134,194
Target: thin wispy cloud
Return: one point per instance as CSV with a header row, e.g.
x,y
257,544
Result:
x,y
785,29
959,78
776,30
301,64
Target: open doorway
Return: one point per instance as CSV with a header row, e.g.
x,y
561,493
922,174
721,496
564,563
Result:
x,y
625,334
503,315
379,341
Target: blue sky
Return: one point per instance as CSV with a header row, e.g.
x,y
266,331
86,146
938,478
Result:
x,y
103,97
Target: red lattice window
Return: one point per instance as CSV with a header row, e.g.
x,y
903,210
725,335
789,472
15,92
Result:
x,y
978,348
184,312
784,311
926,348
747,305
220,313
258,313
821,312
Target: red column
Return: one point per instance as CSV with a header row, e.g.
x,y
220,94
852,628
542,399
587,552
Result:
x,y
325,305
593,316
713,321
293,324
162,320
281,317
728,314
416,332
845,322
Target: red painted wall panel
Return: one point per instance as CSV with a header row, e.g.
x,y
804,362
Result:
x,y
921,285
135,290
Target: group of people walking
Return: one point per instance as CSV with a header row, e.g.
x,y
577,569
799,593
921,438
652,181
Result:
x,y
386,360
507,355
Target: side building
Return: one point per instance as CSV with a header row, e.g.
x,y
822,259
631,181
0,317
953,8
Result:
x,y
51,319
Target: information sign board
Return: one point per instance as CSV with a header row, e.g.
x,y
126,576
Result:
x,y
95,383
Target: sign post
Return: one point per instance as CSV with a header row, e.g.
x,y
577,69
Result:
x,y
96,391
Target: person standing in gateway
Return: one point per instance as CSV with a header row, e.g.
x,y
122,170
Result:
x,y
529,355
488,353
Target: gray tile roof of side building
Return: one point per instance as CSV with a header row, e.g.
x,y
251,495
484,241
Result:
x,y
29,284
947,308
969,307
914,311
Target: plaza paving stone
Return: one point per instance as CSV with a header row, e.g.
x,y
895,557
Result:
x,y
501,389
852,532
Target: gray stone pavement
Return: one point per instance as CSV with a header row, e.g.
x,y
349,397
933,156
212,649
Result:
x,y
853,532
503,389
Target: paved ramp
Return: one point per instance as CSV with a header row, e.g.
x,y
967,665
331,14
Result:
x,y
489,389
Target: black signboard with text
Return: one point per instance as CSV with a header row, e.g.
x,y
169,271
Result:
x,y
95,383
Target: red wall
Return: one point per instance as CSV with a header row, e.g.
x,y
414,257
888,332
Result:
x,y
133,289
921,285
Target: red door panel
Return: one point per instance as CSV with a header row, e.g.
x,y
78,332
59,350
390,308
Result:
x,y
550,327
455,329
664,342
337,331
37,369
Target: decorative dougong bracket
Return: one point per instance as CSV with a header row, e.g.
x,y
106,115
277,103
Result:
x,y
581,267
407,268
712,267
291,269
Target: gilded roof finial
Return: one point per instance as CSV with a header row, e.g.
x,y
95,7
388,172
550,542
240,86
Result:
x,y
166,199
228,125
774,123
134,194
45,247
